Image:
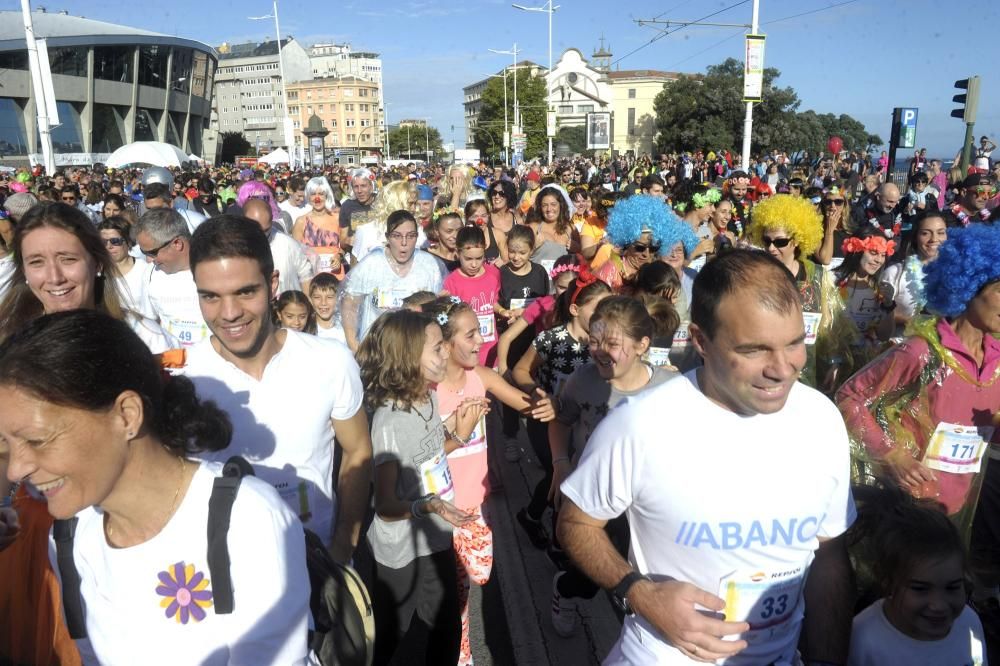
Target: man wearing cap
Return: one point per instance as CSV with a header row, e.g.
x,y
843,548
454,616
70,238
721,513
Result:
x,y
974,195
158,195
425,205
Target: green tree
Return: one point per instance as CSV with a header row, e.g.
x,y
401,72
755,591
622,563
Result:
x,y
234,144
706,112
402,145
574,137
530,99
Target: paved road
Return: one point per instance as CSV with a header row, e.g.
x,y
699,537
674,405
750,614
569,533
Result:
x,y
510,616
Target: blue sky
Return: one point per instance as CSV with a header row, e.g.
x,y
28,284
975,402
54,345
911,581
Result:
x,y
862,57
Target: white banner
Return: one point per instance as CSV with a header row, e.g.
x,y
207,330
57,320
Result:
x,y
753,69
598,130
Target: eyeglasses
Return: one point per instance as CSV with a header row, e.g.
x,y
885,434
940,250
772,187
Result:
x,y
152,254
396,236
115,242
642,248
780,243
834,202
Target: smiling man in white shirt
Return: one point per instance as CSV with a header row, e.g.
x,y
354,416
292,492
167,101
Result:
x,y
735,479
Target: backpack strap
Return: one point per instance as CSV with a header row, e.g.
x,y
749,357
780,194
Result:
x,y
63,531
220,510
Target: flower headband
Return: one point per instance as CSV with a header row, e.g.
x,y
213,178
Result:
x,y
557,270
870,244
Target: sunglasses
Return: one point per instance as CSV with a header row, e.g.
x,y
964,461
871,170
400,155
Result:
x,y
780,243
835,202
69,199
982,189
155,251
642,248
114,242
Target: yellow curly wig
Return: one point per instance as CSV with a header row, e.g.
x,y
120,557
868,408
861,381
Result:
x,y
792,214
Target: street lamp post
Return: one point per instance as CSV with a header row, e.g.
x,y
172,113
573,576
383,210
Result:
x,y
286,121
550,10
427,141
507,137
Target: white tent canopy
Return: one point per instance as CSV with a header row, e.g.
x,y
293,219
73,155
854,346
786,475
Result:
x,y
148,152
194,158
279,156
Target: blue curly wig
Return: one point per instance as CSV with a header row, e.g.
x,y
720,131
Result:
x,y
641,212
966,262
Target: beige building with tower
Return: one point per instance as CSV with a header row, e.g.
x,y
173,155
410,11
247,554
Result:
x,y
349,107
633,93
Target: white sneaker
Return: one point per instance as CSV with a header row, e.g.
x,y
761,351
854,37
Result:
x,y
564,615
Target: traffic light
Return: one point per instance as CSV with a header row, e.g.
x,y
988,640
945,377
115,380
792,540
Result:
x,y
970,99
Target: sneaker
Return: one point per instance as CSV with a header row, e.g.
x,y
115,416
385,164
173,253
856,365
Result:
x,y
512,453
564,617
534,529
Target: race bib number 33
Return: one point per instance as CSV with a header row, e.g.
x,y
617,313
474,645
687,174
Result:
x,y
761,598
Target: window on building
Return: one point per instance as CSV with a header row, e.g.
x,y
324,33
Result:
x,y
584,108
631,122
352,138
293,95
13,139
147,122
631,93
349,122
113,63
180,74
348,107
14,60
69,60
362,92
348,92
322,108
333,123
566,108
153,67
365,122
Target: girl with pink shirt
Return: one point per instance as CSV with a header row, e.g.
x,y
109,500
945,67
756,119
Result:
x,y
477,283
466,380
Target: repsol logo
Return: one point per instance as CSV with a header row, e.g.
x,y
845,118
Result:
x,y
755,534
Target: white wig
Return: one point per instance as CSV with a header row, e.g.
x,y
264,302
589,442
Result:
x,y
320,185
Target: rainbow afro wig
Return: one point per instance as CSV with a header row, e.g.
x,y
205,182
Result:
x,y
966,262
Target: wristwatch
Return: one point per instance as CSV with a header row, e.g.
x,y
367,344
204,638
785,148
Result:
x,y
620,592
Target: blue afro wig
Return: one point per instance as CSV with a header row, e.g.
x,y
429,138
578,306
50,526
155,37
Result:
x,y
644,213
966,262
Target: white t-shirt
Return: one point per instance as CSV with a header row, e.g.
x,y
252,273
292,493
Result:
x,y
286,434
731,504
376,288
291,263
875,642
133,288
295,213
174,299
335,332
149,331
7,266
152,604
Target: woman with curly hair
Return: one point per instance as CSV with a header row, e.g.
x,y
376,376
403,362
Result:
x,y
788,228
922,413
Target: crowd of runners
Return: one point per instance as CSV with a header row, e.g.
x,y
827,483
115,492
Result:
x,y
763,402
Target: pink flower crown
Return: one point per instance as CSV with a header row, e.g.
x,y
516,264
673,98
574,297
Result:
x,y
871,244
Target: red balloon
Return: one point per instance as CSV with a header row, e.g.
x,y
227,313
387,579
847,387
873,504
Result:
x,y
835,144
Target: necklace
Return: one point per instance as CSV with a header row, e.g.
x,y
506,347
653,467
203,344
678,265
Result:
x,y
109,530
